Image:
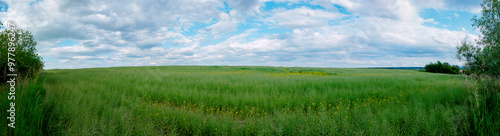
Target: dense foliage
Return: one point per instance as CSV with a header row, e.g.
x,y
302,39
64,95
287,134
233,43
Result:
x,y
482,65
484,57
27,63
442,68
34,114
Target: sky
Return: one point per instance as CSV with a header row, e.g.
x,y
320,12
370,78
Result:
x,y
310,33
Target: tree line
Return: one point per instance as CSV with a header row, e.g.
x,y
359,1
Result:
x,y
439,67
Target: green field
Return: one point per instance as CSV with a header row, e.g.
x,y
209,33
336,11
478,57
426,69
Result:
x,y
232,100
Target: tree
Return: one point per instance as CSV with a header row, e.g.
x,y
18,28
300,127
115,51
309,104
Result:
x,y
471,55
484,57
442,68
482,63
455,69
26,60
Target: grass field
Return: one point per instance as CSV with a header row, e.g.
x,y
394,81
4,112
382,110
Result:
x,y
231,100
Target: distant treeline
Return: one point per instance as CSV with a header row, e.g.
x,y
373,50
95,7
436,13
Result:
x,y
439,67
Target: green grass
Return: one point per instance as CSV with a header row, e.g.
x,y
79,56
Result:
x,y
34,113
484,100
230,100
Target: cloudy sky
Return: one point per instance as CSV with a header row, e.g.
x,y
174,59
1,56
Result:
x,y
311,33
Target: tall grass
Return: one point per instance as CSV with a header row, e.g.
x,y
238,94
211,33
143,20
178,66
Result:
x,y
219,100
484,100
34,114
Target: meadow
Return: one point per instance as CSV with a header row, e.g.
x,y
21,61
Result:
x,y
246,100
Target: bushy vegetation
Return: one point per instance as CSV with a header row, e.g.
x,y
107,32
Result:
x,y
27,63
442,68
484,104
483,57
34,113
223,100
33,109
482,65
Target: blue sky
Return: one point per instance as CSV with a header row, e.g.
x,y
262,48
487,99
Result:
x,y
310,33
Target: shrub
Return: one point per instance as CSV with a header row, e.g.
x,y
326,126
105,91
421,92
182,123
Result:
x,y
482,66
483,57
27,62
442,68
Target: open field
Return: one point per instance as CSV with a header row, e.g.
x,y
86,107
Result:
x,y
230,100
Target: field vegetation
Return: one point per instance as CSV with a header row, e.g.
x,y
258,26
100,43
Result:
x,y
230,100
244,100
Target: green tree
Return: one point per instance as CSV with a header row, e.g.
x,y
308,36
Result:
x,y
471,55
455,69
484,57
442,68
482,63
27,62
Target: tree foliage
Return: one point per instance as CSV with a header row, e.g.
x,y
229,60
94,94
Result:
x,y
484,56
26,60
442,68
482,63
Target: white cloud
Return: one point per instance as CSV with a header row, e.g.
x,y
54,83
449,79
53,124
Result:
x,y
227,23
431,20
391,9
132,32
244,5
87,20
460,5
397,43
302,17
